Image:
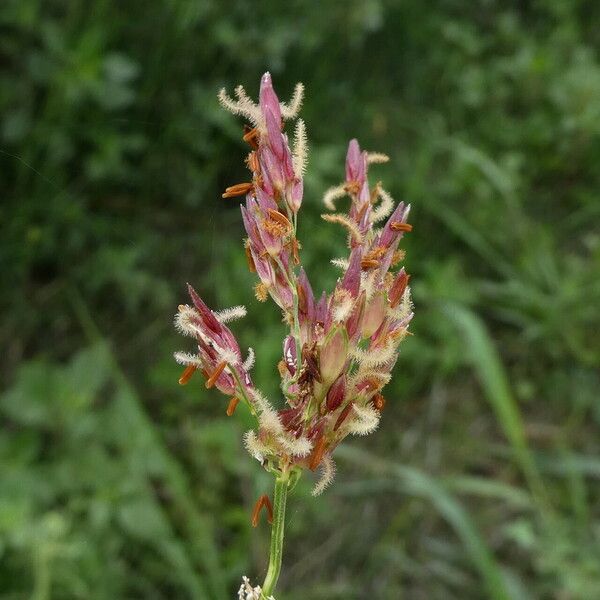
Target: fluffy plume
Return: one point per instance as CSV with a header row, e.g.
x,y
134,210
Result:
x,y
231,314
300,152
346,222
385,207
185,358
374,357
327,474
290,110
377,157
333,193
365,421
249,362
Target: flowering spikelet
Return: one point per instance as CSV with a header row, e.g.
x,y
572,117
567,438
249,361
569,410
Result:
x,y
341,347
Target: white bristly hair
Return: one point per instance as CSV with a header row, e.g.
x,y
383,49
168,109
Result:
x,y
366,421
300,151
327,475
231,314
249,362
333,193
185,358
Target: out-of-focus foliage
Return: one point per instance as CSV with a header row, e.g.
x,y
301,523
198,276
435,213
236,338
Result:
x,y
483,481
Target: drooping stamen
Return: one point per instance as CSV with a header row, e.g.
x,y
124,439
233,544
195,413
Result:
x,y
252,162
343,416
295,251
232,406
317,453
265,501
239,189
399,226
187,374
378,402
251,136
368,263
280,218
398,289
249,257
215,375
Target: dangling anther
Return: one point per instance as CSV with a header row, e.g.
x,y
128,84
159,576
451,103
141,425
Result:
x,y
343,415
239,189
251,136
280,218
317,453
378,402
262,501
187,374
399,226
368,263
232,406
249,257
215,375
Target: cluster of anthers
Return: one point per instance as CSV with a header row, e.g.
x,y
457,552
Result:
x,y
341,347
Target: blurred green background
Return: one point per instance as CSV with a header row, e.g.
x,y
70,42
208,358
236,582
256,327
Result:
x,y
483,480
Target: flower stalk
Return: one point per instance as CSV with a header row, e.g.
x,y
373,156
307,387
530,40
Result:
x,y
282,484
341,347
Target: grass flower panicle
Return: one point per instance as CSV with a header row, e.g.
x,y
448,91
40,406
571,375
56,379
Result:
x,y
342,346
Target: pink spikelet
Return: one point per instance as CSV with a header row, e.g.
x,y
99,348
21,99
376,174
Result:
x,y
341,347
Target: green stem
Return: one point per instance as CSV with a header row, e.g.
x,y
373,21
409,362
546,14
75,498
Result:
x,y
276,553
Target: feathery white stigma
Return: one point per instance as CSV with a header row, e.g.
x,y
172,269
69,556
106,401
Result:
x,y
333,193
296,447
385,207
346,222
374,357
377,157
327,474
366,421
340,263
242,106
300,152
230,314
185,358
249,362
290,110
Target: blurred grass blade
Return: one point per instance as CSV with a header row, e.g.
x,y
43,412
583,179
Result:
x,y
417,483
146,447
492,377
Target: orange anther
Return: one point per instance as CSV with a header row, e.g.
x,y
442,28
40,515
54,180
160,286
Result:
x,y
399,226
239,189
187,374
378,402
369,263
232,406
262,501
215,375
317,454
251,136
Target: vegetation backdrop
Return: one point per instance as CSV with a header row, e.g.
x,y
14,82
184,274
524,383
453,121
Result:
x,y
483,481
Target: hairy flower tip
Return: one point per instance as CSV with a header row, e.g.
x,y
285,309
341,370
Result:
x,y
385,208
327,475
365,421
231,314
185,358
377,158
332,194
186,321
296,447
249,362
247,592
254,446
300,152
